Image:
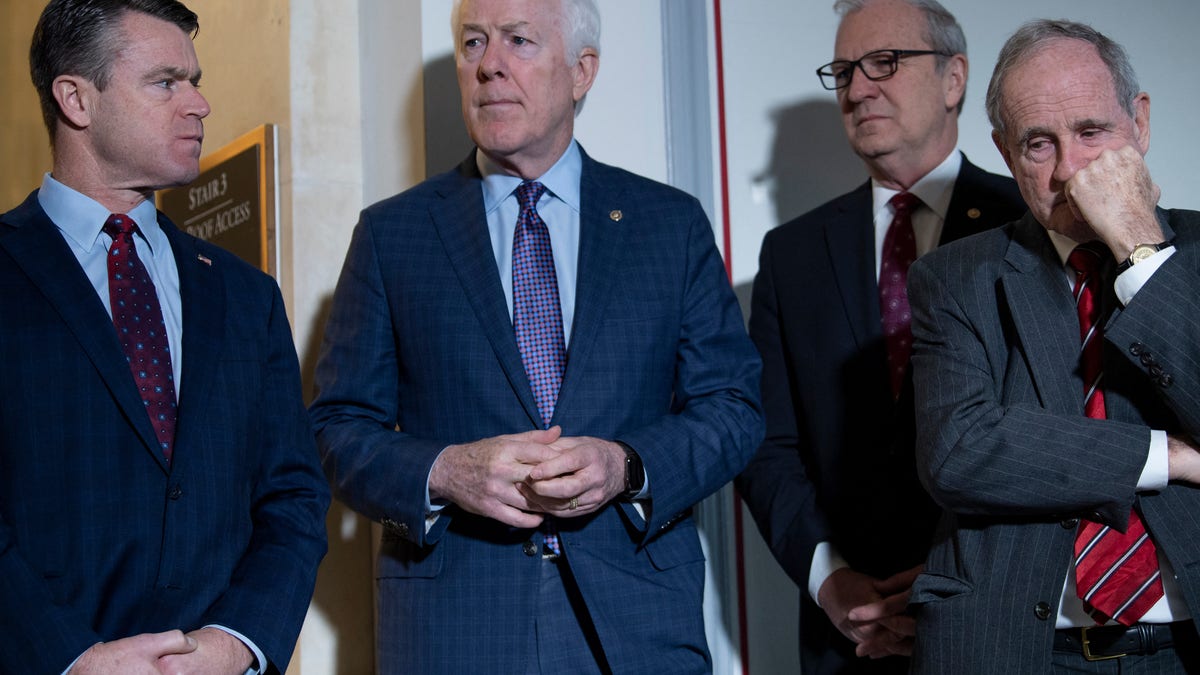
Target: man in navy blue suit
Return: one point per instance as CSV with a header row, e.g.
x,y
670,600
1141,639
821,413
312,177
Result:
x,y
535,493
161,501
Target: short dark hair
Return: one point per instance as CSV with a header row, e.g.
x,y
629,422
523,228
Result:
x,y
76,37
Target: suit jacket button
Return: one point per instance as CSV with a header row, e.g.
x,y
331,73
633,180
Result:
x,y
1042,610
1137,348
1070,523
1166,380
1148,359
529,548
175,493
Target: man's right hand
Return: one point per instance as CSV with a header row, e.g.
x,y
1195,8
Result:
x,y
481,477
137,655
888,630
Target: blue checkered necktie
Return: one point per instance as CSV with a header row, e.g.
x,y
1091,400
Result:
x,y
537,314
138,318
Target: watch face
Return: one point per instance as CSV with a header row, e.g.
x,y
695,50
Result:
x,y
1141,252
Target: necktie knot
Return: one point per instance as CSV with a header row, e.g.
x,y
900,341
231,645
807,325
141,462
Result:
x,y
528,194
904,203
1085,260
119,224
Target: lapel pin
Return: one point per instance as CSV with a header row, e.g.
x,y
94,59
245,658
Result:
x,y
203,259
615,215
973,213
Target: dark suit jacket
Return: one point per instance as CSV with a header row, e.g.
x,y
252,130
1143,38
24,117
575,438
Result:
x,y
837,462
420,339
99,540
1005,449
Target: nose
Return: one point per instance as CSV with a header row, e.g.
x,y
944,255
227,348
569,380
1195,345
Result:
x,y
197,105
492,64
861,87
1071,158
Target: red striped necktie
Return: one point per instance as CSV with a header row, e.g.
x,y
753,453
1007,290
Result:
x,y
1116,574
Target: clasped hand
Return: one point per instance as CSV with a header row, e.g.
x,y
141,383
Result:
x,y
1115,195
871,612
519,479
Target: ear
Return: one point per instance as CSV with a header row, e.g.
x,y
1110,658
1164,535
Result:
x,y
1141,120
955,79
74,96
585,71
999,141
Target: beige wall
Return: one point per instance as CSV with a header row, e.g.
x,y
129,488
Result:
x,y
24,146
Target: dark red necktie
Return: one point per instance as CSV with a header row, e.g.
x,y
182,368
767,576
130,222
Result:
x,y
1116,574
899,252
138,319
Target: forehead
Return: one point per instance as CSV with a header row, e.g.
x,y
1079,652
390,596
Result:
x,y
151,42
493,13
1063,78
886,24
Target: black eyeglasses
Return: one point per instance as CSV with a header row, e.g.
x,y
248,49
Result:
x,y
877,65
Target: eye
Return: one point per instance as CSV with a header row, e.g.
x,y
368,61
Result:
x,y
518,40
841,70
472,43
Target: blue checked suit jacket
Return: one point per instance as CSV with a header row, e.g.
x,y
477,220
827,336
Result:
x,y
420,353
99,540
1004,447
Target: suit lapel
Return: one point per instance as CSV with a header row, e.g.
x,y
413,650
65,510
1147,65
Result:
x,y
850,246
973,206
462,226
40,251
1043,314
601,240
202,297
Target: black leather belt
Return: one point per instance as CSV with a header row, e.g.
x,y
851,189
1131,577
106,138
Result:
x,y
1097,643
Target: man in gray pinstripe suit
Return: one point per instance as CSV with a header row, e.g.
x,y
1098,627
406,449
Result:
x,y
1004,445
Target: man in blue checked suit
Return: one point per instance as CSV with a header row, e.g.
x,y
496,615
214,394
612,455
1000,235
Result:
x,y
533,369
185,540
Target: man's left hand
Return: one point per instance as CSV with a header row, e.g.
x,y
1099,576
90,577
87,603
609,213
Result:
x,y
217,653
890,613
588,474
1115,195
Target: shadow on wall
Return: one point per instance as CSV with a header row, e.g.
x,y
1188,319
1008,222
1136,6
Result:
x,y
344,595
446,139
811,163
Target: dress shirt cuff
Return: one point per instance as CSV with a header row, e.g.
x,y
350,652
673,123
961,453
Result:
x,y
432,511
260,661
1154,474
826,560
1130,281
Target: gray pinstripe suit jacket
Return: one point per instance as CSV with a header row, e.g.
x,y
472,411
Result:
x,y
1004,447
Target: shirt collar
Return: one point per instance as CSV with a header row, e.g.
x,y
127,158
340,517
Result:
x,y
82,218
561,180
934,188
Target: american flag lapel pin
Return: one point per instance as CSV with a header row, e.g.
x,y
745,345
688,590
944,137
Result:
x,y
203,259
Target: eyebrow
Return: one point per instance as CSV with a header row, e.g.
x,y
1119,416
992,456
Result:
x,y
173,73
505,28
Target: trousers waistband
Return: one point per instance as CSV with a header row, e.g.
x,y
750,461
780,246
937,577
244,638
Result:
x,y
1109,642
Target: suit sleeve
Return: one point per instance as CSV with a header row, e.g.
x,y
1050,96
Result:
x,y
775,485
715,421
985,446
377,470
272,584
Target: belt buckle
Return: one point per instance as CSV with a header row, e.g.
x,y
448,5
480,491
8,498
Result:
x,y
1087,650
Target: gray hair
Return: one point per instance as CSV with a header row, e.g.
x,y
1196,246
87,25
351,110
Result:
x,y
1034,35
942,31
580,26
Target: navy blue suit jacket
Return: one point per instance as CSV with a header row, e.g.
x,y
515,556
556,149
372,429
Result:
x,y
99,538
420,353
837,463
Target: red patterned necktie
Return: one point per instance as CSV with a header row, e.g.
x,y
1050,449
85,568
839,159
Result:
x,y
537,314
899,252
138,319
1116,574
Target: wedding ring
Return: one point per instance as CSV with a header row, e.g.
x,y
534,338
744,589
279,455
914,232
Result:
x,y
574,503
